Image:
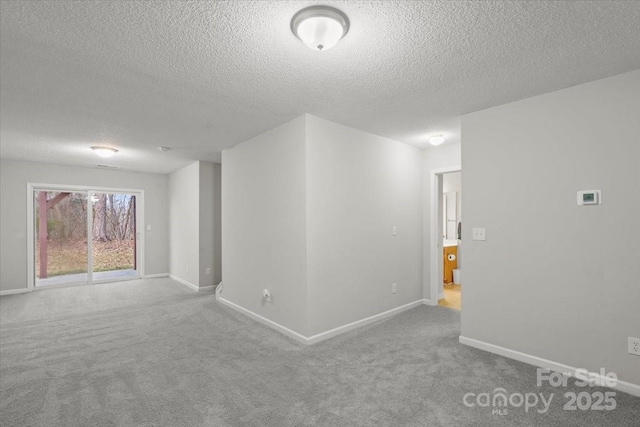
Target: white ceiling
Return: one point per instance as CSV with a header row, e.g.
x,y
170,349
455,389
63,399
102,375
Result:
x,y
202,76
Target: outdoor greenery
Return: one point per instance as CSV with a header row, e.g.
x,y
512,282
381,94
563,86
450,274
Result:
x,y
112,232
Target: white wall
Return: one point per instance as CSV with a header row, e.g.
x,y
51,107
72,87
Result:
x,y
209,232
205,223
184,217
452,182
553,279
307,211
194,212
14,176
445,156
217,223
264,225
359,186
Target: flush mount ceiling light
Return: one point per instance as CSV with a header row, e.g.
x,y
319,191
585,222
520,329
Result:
x,y
320,27
436,140
104,151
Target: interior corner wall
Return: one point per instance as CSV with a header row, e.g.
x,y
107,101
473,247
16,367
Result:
x,y
553,279
359,186
14,176
264,225
194,211
217,223
209,216
184,217
445,156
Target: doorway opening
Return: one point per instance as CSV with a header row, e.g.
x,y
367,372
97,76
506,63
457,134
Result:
x,y
446,238
83,236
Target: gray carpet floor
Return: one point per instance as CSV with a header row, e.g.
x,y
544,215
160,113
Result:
x,y
154,353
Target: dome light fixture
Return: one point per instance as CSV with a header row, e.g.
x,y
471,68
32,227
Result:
x,y
436,140
320,27
104,151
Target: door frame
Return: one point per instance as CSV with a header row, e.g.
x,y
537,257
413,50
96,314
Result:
x,y
435,240
31,256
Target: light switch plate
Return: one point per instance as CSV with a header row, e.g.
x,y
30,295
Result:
x,y
479,234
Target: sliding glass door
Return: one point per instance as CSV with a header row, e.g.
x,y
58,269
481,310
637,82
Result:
x,y
61,249
113,235
84,236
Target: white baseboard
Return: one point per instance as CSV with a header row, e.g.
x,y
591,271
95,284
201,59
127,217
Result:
x,y
219,290
440,296
360,323
323,335
191,285
13,291
278,327
155,276
623,386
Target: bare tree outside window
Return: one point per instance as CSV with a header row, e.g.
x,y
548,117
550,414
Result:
x,y
61,246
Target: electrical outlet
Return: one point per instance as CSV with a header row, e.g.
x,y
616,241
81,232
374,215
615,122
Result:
x,y
394,288
634,346
207,271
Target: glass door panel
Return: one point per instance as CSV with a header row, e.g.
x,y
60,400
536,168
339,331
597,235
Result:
x,y
60,237
113,233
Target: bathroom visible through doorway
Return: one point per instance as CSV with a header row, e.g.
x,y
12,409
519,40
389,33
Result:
x,y
446,261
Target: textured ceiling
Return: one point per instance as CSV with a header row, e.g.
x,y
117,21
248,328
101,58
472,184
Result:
x,y
202,76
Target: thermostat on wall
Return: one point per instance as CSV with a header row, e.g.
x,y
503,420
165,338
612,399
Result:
x,y
589,197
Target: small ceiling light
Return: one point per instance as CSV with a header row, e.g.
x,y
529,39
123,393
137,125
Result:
x,y
436,140
320,27
104,151
163,148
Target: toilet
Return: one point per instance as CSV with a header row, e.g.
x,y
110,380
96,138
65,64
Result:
x,y
456,276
